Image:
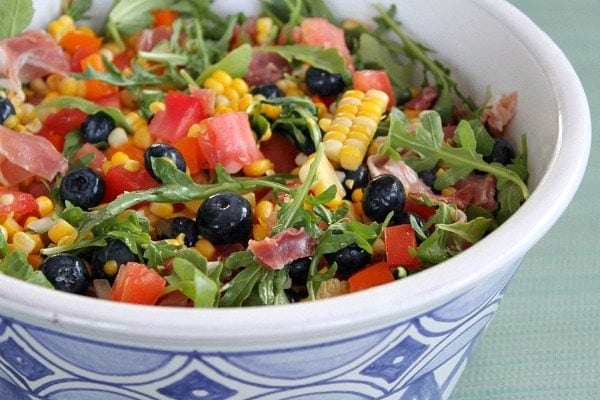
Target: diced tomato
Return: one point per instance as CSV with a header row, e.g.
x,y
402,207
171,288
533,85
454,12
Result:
x,y
87,149
180,113
398,240
118,180
372,275
281,151
137,283
20,203
57,125
417,207
164,17
189,149
95,88
228,140
374,79
78,40
123,59
320,32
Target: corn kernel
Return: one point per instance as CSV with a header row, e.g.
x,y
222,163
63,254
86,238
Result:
x,y
68,87
132,165
62,230
205,248
157,106
162,210
270,111
261,167
117,137
259,232
119,158
11,226
263,211
110,268
11,122
448,191
24,242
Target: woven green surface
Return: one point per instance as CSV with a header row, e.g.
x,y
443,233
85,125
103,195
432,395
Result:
x,y
544,342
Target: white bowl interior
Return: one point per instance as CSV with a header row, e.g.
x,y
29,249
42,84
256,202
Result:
x,y
487,43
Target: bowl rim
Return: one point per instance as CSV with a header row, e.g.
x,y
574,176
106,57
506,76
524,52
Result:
x,y
381,305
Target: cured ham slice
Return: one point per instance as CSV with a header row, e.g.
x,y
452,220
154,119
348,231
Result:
x,y
286,246
23,155
31,55
501,111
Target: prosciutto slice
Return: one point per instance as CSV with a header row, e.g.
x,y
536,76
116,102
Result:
x,y
23,155
286,246
500,112
31,55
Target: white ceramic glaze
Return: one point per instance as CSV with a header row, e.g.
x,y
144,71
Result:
x,y
430,320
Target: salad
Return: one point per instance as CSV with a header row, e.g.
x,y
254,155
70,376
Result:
x,y
179,157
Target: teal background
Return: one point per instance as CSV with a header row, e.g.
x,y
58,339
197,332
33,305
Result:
x,y
544,342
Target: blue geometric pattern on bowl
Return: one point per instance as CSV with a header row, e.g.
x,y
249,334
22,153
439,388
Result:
x,y
421,358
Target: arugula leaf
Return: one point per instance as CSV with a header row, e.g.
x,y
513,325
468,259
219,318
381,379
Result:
x,y
326,59
242,285
428,144
235,63
373,55
508,193
87,107
271,289
15,264
156,253
130,16
449,238
15,15
191,279
77,9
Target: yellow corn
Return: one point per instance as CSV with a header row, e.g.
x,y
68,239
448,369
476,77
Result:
x,y
156,106
265,30
141,134
325,178
12,121
26,242
270,111
132,165
117,137
110,268
448,191
350,132
259,232
162,210
261,167
233,94
62,232
61,26
289,87
11,226
119,158
205,248
263,211
70,86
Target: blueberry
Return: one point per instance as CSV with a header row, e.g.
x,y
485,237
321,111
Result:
x,y
268,90
173,227
298,270
428,177
68,273
357,178
349,259
502,153
6,109
82,187
115,250
163,150
225,218
97,127
323,83
384,194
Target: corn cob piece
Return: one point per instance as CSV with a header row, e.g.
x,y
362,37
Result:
x,y
326,177
349,133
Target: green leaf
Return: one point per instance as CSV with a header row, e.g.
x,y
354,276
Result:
x,y
326,59
87,107
15,264
156,253
374,55
235,63
190,279
77,9
242,285
15,15
271,288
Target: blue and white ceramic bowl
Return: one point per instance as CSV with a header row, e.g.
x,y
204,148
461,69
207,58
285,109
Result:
x,y
405,340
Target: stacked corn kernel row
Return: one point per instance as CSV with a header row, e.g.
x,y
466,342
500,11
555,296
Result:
x,y
349,133
233,94
263,215
266,30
